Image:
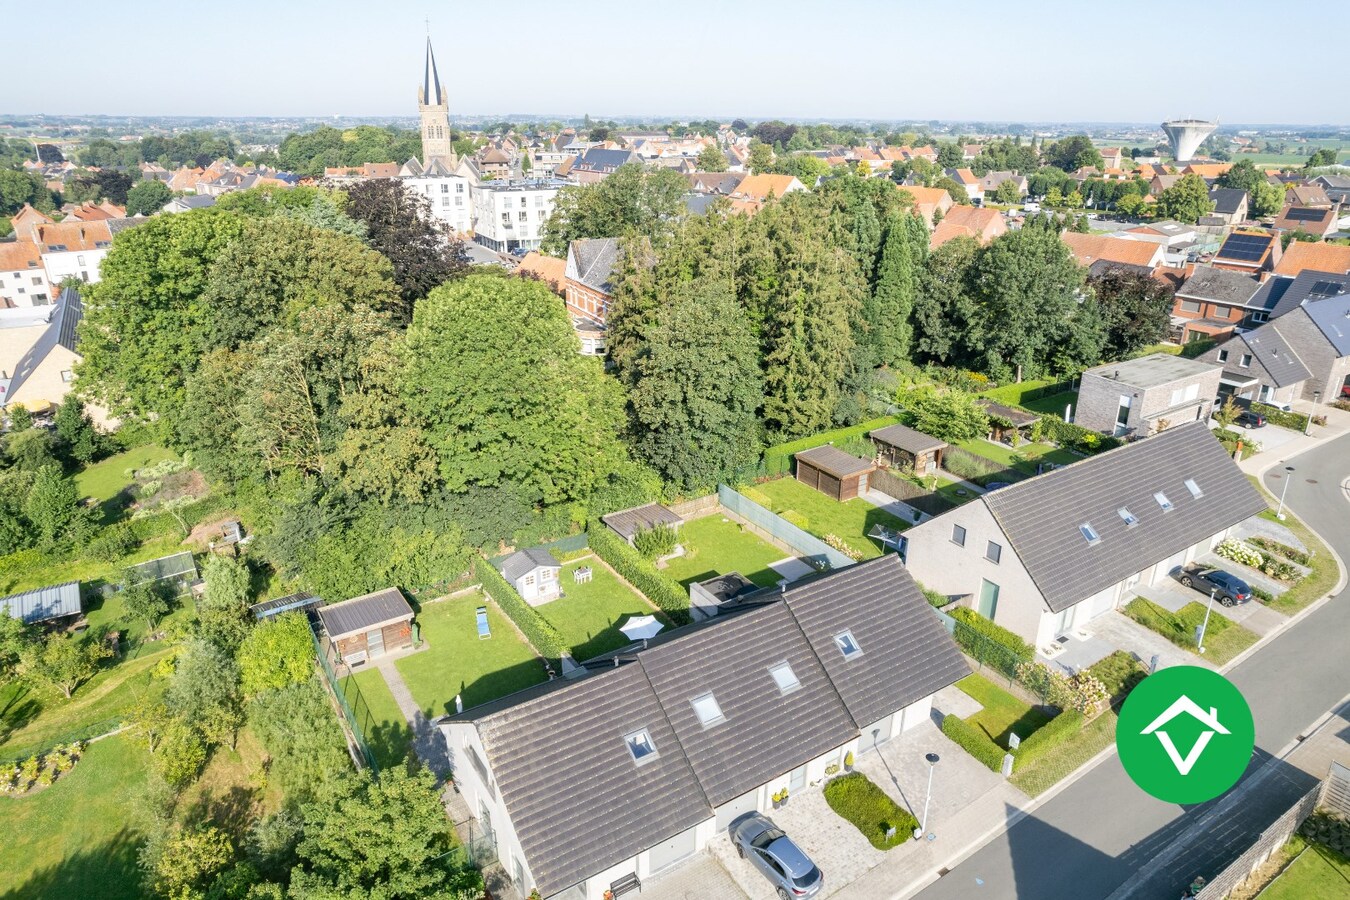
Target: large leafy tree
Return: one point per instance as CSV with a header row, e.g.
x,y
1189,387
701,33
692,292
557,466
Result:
x,y
222,610
53,506
890,308
277,652
148,197
1136,309
711,159
1185,201
631,201
695,388
1072,153
63,661
947,325
18,188
493,373
204,691
399,224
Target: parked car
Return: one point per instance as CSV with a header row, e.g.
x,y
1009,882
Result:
x,y
1249,419
1228,589
791,871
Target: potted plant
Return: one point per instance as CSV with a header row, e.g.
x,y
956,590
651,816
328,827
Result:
x,y
777,798
784,793
848,761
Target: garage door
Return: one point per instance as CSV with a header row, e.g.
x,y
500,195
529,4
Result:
x,y
1163,569
667,853
732,810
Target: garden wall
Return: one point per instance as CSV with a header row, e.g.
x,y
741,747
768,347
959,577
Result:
x,y
775,528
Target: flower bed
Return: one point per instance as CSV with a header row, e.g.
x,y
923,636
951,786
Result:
x,y
40,771
855,798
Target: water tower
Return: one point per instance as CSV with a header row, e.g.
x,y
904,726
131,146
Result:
x,y
1187,135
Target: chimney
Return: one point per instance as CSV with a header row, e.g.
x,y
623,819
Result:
x,y
459,703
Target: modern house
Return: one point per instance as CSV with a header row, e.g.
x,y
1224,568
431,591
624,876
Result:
x,y
44,604
510,215
1146,395
1213,302
1045,556
586,783
900,445
23,280
833,472
598,163
367,627
533,573
38,355
626,523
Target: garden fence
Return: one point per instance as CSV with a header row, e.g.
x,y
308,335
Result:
x,y
992,659
353,704
922,499
813,549
85,733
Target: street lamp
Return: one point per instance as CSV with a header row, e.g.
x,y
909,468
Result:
x,y
1200,632
1307,426
1288,477
932,759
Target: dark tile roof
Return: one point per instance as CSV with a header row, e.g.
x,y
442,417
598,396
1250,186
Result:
x,y
364,613
1221,285
72,312
699,204
41,604
907,439
1270,348
1309,287
627,522
1227,201
834,461
1270,294
1332,317
1041,516
1101,267
603,161
596,259
522,562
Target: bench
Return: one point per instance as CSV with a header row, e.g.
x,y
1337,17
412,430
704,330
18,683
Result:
x,y
625,885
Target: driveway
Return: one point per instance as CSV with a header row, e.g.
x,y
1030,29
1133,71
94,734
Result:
x,y
699,878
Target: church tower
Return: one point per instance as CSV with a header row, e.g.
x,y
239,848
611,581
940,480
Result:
x,y
433,105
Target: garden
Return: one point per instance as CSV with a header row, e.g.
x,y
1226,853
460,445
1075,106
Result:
x,y
1224,638
715,545
1313,865
589,613
842,525
867,807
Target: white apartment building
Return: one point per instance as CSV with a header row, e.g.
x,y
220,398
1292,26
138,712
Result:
x,y
510,215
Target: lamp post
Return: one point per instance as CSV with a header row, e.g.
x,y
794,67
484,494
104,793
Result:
x,y
932,759
1200,635
1307,426
1288,477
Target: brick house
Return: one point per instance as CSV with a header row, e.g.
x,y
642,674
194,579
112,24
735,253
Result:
x,y
1146,395
588,286
1212,303
1252,252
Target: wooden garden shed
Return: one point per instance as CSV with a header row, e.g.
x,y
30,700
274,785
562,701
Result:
x,y
833,472
367,627
900,445
1019,420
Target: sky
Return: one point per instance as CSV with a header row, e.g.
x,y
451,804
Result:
x,y
1052,60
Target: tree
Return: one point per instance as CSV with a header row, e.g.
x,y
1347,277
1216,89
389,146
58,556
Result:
x,y
1326,156
147,601
1242,176
53,505
400,225
31,449
18,188
954,190
949,415
1185,201
947,326
183,865
296,725
1073,153
277,652
388,838
694,388
79,441
148,197
1227,414
631,201
1131,205
223,609
13,640
1007,192
63,661
761,157
20,418
711,159
891,307
1264,199
180,754
1136,309
204,691
492,372
950,156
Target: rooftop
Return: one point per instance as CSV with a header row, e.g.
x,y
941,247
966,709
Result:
x,y
834,461
364,613
1153,370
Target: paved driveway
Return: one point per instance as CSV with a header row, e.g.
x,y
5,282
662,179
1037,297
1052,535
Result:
x,y
699,878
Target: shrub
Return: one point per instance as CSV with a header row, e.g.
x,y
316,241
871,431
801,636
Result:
x,y
936,598
1239,552
544,636
113,543
1044,740
1296,421
1120,673
1076,437
1280,570
974,741
660,588
975,633
1299,556
778,457
1263,595
1082,691
855,798
839,544
655,542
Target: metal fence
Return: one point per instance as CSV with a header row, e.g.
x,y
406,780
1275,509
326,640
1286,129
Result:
x,y
354,707
813,549
992,659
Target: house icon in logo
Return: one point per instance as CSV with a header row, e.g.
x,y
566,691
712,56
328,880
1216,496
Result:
x,y
1210,720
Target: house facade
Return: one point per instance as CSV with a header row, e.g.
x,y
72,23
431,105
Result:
x,y
448,192
1213,302
510,215
23,280
1047,555
698,728
1146,395
588,287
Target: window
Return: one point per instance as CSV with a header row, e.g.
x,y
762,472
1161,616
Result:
x,y
1246,361
37,281
529,580
707,710
848,645
784,677
523,216
524,201
445,201
459,187
445,188
1192,392
1090,534
958,535
1190,306
993,552
1223,356
1176,398
1265,393
1193,488
640,745
1163,501
80,259
67,376
1129,518
459,201
1260,316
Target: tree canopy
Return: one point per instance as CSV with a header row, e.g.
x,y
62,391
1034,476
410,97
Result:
x,y
632,201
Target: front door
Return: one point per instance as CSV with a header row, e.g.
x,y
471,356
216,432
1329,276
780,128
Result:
x,y
1064,621
988,599
375,643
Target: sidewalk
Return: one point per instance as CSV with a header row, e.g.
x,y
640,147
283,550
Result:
x,y
1338,423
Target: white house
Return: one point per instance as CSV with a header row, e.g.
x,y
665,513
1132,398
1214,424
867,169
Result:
x,y
533,573
23,280
447,191
1046,555
635,765
510,215
73,249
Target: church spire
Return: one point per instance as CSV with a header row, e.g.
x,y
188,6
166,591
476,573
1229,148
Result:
x,y
431,81
433,107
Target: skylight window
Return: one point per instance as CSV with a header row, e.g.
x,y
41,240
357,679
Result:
x,y
640,745
707,710
1089,533
1128,517
1193,488
848,645
784,677
1163,501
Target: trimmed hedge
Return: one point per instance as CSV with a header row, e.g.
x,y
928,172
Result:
x,y
1076,437
659,588
1049,737
837,436
1017,394
975,742
544,636
973,631
1296,421
856,799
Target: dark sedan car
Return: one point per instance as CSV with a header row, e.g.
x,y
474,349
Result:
x,y
1249,419
790,870
1228,589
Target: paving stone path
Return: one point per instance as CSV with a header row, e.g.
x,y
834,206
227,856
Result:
x,y
428,742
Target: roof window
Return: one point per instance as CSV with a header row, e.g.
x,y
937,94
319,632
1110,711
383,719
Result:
x,y
1090,534
1193,488
784,677
1163,501
640,745
707,710
1127,517
848,645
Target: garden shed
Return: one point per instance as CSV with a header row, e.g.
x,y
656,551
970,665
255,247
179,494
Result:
x,y
902,446
626,523
367,627
833,472
44,604
178,569
1018,420
299,601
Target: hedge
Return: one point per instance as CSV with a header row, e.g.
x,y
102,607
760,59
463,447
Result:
x,y
855,798
837,436
544,636
1076,437
660,588
1296,421
971,627
974,741
1048,737
1017,394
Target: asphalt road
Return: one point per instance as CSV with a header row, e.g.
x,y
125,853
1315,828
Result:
x,y
1093,836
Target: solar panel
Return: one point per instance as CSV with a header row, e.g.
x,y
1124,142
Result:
x,y
1301,214
1245,247
1325,289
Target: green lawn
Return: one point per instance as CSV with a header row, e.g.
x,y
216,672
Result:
x,y
456,661
1054,404
589,615
103,480
953,491
715,545
1224,639
1022,458
849,521
381,721
1319,873
74,839
1003,714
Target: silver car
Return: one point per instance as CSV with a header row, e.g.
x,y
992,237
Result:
x,y
790,870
